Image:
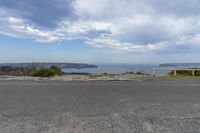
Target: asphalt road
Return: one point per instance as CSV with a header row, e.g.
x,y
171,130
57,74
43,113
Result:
x,y
166,106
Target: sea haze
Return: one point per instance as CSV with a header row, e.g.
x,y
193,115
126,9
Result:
x,y
119,68
115,69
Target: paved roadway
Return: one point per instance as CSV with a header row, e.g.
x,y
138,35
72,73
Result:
x,y
166,106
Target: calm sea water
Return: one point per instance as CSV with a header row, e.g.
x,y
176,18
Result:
x,y
118,69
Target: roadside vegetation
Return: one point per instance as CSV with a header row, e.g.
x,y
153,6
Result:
x,y
30,71
137,73
109,75
101,75
47,72
16,71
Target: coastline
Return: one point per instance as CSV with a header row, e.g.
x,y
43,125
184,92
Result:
x,y
71,77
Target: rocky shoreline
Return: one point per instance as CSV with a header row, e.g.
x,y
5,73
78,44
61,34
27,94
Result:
x,y
71,77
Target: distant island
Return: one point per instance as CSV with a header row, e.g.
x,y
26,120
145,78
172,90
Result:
x,y
42,65
180,65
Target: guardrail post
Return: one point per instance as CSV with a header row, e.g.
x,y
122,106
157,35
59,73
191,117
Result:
x,y
193,74
154,72
175,73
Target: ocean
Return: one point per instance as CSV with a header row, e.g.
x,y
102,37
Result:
x,y
117,69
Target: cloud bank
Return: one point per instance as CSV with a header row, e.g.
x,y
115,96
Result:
x,y
128,25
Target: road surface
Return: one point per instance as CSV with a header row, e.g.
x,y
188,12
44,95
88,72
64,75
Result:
x,y
165,105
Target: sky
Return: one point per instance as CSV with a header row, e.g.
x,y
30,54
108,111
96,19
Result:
x,y
100,31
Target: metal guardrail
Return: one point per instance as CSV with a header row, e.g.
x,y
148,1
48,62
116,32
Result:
x,y
175,70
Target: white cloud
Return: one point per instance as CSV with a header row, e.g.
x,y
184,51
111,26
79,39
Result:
x,y
194,40
128,25
68,30
109,43
137,25
17,27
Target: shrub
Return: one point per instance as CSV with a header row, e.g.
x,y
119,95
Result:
x,y
140,73
129,73
56,70
1,73
44,72
15,71
101,75
47,72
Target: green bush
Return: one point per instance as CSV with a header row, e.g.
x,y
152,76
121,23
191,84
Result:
x,y
56,70
47,72
140,73
1,73
129,73
101,75
44,72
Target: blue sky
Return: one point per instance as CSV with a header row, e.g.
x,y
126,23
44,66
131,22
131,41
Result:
x,y
100,31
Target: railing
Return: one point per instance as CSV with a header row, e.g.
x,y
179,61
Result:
x,y
175,70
